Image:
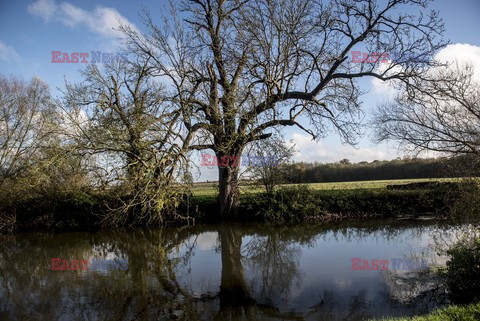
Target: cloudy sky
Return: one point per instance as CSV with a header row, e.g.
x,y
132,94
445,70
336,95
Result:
x,y
30,30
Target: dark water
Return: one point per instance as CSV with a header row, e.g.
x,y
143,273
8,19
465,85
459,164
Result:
x,y
221,272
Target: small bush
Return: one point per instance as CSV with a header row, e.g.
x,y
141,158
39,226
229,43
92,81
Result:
x,y
290,204
466,207
463,272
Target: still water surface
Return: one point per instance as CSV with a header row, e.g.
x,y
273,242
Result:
x,y
222,272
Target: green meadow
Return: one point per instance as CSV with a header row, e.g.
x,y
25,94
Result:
x,y
207,190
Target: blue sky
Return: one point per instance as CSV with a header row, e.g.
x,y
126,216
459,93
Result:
x,y
30,30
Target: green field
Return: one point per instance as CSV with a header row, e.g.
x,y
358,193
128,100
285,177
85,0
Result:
x,y
209,189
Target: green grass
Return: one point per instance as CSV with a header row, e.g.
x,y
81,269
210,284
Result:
x,y
451,313
369,184
209,189
204,189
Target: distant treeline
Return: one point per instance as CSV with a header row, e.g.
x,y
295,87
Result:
x,y
378,170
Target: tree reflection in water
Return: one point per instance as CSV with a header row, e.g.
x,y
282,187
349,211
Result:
x,y
259,272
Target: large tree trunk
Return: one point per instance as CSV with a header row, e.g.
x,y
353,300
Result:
x,y
228,187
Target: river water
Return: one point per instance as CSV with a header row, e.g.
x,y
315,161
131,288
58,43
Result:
x,y
223,272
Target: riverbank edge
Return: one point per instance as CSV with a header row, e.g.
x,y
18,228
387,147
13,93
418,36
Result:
x,y
449,313
298,204
289,205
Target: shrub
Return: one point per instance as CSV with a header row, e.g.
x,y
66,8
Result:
x,y
463,272
466,207
289,204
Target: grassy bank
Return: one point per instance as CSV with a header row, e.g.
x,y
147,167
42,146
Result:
x,y
327,201
452,313
289,204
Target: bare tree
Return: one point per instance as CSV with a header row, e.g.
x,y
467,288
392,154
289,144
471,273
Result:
x,y
442,115
127,123
37,169
266,159
239,69
26,113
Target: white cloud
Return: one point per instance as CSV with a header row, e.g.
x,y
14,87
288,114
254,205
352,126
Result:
x,y
103,21
42,8
460,53
71,15
311,151
384,89
8,53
